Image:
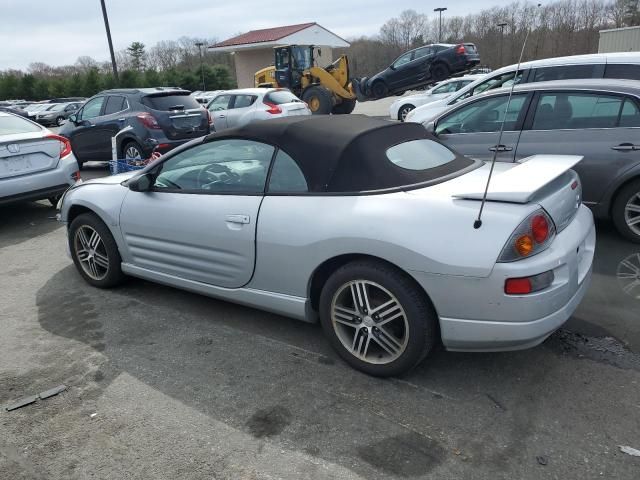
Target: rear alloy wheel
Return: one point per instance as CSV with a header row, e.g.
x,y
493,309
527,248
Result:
x,y
404,111
132,151
439,72
60,121
94,251
319,100
626,211
376,318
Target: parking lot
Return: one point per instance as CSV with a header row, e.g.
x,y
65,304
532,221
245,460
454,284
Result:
x,y
167,384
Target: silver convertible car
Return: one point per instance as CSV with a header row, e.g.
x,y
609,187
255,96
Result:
x,y
363,224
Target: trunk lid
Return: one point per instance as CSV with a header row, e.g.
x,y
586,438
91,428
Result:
x,y
543,179
27,153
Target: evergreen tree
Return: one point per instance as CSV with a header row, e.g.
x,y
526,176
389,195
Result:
x,y
137,53
91,83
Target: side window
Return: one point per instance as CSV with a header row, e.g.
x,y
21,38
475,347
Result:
x,y
447,88
406,58
483,116
219,103
622,70
564,72
286,176
243,101
630,116
92,108
422,52
115,103
556,111
222,166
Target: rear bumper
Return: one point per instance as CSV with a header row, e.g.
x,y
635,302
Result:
x,y
36,186
476,315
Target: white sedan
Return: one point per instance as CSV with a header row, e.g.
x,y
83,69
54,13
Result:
x,y
403,105
364,224
234,108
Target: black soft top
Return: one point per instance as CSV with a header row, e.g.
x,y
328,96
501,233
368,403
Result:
x,y
345,153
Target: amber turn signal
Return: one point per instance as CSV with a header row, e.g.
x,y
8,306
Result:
x,y
524,245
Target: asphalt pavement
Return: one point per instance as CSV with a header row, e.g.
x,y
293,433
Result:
x,y
164,384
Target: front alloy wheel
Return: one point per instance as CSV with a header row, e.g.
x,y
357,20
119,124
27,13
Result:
x,y
404,111
377,318
91,253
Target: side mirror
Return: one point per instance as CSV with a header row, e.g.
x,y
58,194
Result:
x,y
141,183
430,127
74,118
392,67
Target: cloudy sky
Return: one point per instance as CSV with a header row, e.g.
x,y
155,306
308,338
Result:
x,y
59,32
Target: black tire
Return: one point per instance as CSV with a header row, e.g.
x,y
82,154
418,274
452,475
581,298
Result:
x,y
54,200
420,317
59,121
113,275
629,193
319,100
379,89
129,146
404,110
440,72
345,107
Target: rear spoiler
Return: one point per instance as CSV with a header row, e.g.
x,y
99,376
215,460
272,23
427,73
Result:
x,y
520,183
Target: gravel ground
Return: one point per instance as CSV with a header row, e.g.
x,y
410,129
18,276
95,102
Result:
x,y
167,384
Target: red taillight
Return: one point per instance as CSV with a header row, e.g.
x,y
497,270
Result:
x,y
273,108
540,228
149,121
76,176
517,286
65,145
574,185
460,50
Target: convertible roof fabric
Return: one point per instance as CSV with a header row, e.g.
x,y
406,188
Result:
x,y
345,153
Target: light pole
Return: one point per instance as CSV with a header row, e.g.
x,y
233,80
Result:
x,y
440,10
113,56
501,25
200,45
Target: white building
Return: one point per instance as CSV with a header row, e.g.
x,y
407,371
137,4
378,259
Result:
x,y
626,39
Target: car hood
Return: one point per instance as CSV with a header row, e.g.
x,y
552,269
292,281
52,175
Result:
x,y
428,111
110,180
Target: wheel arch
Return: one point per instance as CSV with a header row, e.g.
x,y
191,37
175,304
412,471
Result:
x,y
323,271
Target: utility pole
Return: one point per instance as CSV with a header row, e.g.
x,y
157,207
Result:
x,y
440,10
113,56
200,45
501,25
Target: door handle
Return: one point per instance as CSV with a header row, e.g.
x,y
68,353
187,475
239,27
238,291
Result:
x,y
626,147
241,219
500,148
221,116
122,119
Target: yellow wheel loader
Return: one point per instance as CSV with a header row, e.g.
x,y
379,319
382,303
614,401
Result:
x,y
325,90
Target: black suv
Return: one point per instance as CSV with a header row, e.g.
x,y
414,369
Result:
x,y
161,119
416,68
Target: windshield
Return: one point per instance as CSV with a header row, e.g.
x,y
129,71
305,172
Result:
x,y
497,81
57,108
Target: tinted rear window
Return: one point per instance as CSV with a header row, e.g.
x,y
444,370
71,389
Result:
x,y
170,102
10,125
621,70
564,72
281,96
420,154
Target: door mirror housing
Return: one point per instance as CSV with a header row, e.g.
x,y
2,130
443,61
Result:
x,y
74,118
141,183
392,66
430,127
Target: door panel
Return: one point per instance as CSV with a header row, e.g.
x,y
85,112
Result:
x,y
203,238
219,108
86,138
480,145
241,105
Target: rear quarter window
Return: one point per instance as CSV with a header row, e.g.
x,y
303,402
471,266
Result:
x,y
623,71
11,125
170,102
564,72
420,154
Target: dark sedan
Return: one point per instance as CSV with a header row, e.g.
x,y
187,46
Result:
x,y
57,114
424,65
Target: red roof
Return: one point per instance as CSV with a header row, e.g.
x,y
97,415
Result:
x,y
264,35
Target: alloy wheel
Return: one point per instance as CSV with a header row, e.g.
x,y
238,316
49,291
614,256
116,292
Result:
x,y
369,322
404,112
91,252
60,121
132,153
628,273
632,213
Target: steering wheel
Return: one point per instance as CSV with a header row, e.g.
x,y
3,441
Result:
x,y
216,174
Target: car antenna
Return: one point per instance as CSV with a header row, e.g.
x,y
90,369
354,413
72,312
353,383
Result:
x,y
478,222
